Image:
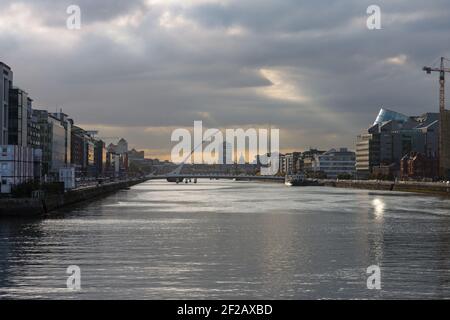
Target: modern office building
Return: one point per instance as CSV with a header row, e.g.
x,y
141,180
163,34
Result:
x,y
91,169
53,142
67,124
23,128
122,146
19,104
86,152
78,148
334,163
100,157
444,152
116,164
282,164
117,158
18,164
33,132
135,155
308,157
22,124
5,86
388,115
392,137
293,162
367,154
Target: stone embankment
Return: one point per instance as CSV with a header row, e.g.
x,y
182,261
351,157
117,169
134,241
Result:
x,y
29,207
433,188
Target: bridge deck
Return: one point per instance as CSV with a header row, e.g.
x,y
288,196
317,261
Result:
x,y
214,176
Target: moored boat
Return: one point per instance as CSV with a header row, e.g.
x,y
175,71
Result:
x,y
299,180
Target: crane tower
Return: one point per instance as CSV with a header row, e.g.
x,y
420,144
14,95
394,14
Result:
x,y
444,121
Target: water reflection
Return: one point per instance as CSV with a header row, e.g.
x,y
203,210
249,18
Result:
x,y
378,206
233,240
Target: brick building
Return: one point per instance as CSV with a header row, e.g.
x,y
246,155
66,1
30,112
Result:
x,y
417,166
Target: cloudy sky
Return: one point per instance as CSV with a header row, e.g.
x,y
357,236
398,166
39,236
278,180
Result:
x,y
140,68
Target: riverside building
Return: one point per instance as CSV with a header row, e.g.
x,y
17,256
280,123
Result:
x,y
18,164
55,147
394,135
19,105
5,86
335,163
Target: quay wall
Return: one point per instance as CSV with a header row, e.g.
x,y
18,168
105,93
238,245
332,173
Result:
x,y
28,207
439,189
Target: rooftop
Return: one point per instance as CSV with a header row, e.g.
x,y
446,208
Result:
x,y
388,115
340,151
5,65
388,120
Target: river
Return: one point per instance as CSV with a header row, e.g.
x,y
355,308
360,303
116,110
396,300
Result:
x,y
232,240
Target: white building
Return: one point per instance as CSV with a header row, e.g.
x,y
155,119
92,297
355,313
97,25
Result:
x,y
334,163
18,164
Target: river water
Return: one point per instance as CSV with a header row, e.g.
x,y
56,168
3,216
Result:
x,y
233,240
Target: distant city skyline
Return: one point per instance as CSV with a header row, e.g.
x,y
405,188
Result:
x,y
141,69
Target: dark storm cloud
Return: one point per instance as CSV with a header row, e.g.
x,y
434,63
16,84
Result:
x,y
53,11
278,16
138,64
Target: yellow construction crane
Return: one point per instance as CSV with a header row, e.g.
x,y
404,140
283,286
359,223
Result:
x,y
444,120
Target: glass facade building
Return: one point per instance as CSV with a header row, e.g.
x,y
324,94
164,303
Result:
x,y
18,117
335,163
53,142
393,136
388,115
58,145
6,77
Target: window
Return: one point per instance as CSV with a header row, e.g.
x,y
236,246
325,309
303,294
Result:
x,y
5,116
5,89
